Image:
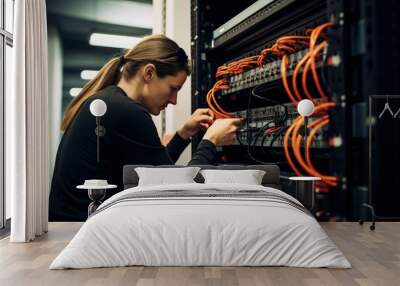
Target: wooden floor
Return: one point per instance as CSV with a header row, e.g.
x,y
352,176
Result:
x,y
374,255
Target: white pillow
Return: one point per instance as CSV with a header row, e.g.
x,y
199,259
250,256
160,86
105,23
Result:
x,y
248,177
163,176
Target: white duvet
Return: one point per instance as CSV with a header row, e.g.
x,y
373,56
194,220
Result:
x,y
183,231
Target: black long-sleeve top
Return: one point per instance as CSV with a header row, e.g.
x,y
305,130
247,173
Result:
x,y
131,138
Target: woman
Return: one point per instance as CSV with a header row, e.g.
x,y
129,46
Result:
x,y
141,82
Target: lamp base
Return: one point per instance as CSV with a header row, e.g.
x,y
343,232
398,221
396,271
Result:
x,y
305,190
97,196
100,131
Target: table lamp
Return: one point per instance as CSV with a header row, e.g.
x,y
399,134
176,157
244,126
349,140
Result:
x,y
305,186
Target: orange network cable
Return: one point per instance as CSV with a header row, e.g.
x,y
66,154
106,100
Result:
x,y
315,34
304,77
314,69
219,112
296,71
222,71
296,142
286,148
316,122
308,60
288,134
271,130
282,46
293,40
211,100
284,64
280,49
308,31
311,57
241,65
236,67
294,77
314,126
313,40
321,123
291,45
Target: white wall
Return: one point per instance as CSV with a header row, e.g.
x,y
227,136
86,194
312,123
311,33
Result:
x,y
55,55
158,29
178,29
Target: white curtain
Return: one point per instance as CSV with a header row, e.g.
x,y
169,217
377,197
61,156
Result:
x,y
27,157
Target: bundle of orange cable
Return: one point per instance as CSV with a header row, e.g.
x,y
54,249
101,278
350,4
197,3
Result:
x,y
219,112
282,48
295,138
223,72
306,63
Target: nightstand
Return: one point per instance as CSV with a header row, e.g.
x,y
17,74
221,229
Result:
x,y
305,190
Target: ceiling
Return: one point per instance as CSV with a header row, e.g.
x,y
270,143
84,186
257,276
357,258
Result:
x,y
77,19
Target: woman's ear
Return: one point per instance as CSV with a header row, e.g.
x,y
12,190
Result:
x,y
149,72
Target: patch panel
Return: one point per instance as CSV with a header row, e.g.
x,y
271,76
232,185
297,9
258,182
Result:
x,y
320,141
267,73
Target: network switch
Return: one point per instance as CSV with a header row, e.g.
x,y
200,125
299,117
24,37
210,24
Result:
x,y
259,11
270,116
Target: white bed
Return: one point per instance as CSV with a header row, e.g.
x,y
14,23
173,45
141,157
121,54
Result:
x,y
250,226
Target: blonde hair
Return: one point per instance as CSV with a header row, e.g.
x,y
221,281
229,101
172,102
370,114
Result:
x,y
164,53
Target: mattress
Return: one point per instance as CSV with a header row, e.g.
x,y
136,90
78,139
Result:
x,y
201,225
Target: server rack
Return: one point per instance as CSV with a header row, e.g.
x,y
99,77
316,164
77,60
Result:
x,y
223,33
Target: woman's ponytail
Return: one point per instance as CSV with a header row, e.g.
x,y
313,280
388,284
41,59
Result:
x,y
107,75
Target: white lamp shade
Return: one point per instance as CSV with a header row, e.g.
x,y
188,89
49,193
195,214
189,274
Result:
x,y
305,107
98,107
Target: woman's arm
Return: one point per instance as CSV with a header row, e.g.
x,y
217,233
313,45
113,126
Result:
x,y
138,141
205,153
176,146
221,132
201,119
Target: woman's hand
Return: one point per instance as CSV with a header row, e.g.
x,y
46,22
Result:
x,y
223,131
201,119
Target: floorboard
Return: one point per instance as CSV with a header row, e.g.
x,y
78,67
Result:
x,y
374,255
